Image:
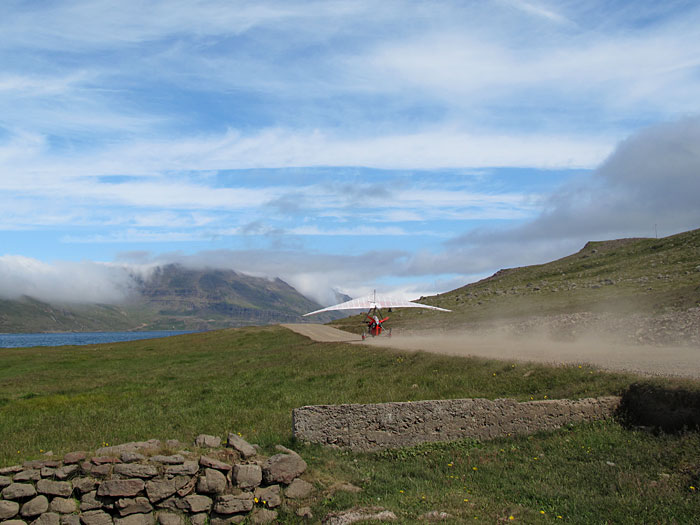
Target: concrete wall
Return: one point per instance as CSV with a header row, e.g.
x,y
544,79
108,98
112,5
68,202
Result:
x,y
392,425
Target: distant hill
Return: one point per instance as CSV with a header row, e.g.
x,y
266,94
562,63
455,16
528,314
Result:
x,y
174,297
620,277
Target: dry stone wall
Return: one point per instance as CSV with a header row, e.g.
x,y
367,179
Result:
x,y
393,425
137,484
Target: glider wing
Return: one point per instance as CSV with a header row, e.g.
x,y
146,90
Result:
x,y
376,302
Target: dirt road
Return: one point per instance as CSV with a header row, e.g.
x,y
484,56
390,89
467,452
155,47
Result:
x,y
643,359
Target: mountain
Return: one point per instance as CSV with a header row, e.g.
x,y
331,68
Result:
x,y
172,298
621,278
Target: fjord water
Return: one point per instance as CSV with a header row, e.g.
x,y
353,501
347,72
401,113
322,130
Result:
x,y
80,338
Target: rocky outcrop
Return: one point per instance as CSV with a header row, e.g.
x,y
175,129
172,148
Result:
x,y
132,484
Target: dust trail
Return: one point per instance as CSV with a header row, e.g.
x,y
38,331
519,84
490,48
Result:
x,y
648,360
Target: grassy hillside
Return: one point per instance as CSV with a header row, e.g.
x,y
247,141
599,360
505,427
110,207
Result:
x,y
248,380
623,276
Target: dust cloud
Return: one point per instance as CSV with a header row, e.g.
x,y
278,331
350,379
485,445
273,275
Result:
x,y
590,349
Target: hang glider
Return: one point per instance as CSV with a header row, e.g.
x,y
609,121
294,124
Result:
x,y
378,302
373,304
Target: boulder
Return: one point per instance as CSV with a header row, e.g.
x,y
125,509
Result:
x,y
34,507
212,482
5,481
135,519
158,490
283,468
70,519
214,463
63,505
195,503
204,440
139,505
170,518
48,518
136,471
247,476
66,472
299,489
14,522
84,485
14,469
8,509
89,502
188,468
27,475
263,516
54,488
244,448
199,519
96,517
117,488
18,491
131,457
234,503
74,457
269,496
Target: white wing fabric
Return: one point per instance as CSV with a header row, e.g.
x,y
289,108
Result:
x,y
376,301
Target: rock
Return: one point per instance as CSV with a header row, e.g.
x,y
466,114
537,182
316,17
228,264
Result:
x,y
139,505
247,476
299,489
89,502
14,522
27,475
283,468
269,496
358,514
304,512
40,463
66,472
70,519
136,471
171,503
244,448
234,503
8,509
98,471
195,503
84,485
158,490
199,519
35,506
18,491
48,518
131,457
214,463
204,440
63,505
5,481
170,518
47,472
263,516
185,485
188,468
54,488
135,519
105,460
14,469
212,482
74,457
96,517
117,488
435,515
134,446
175,459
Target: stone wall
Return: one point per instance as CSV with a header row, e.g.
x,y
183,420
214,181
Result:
x,y
393,425
143,482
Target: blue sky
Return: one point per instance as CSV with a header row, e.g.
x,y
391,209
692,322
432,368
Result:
x,y
408,146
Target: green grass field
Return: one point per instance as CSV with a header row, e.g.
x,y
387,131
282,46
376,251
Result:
x,y
249,380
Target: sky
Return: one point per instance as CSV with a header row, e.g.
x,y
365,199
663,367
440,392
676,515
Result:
x,y
408,146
